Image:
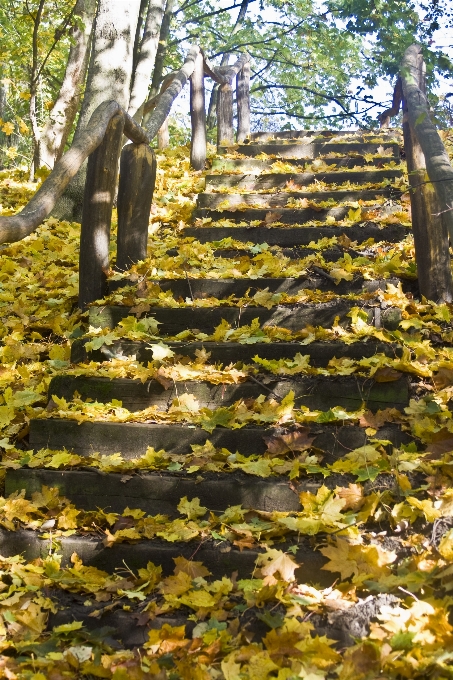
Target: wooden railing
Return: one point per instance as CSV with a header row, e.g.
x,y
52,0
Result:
x,y
101,142
430,179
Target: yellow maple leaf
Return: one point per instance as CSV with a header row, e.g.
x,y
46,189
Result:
x,y
192,509
276,562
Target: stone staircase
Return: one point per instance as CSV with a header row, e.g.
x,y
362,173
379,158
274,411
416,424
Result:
x,y
263,217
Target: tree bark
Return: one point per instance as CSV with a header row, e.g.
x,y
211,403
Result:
x,y
162,47
198,116
243,102
34,83
58,126
109,78
97,214
135,195
146,56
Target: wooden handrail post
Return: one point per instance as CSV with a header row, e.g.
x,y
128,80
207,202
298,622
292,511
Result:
x,y
163,136
243,102
97,214
198,115
225,132
429,225
135,195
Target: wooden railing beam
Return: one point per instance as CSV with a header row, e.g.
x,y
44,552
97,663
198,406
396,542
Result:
x,y
431,180
198,116
243,102
225,131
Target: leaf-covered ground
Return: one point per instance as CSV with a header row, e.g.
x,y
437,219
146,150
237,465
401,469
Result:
x,y
383,518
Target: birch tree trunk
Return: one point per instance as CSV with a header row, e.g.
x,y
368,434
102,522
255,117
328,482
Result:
x,y
146,56
57,128
162,47
110,68
34,84
109,77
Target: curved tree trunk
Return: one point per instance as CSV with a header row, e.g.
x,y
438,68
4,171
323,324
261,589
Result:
x,y
109,78
57,128
146,56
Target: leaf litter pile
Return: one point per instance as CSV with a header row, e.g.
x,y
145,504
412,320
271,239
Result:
x,y
379,516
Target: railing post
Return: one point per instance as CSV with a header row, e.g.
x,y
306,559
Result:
x,y
198,115
429,228
135,195
163,136
97,214
243,102
225,132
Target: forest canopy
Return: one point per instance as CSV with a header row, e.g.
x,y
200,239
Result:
x,y
314,64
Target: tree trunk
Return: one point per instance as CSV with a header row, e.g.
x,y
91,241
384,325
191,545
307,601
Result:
x,y
162,47
34,82
146,56
97,214
109,77
57,128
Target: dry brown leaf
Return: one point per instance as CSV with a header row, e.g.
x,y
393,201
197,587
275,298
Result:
x,y
386,374
138,310
298,440
377,420
353,495
193,569
443,378
441,442
272,216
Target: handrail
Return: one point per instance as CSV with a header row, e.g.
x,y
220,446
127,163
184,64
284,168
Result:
x,y
100,142
16,227
430,178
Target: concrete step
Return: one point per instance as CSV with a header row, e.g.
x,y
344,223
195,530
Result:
x,y
315,392
290,216
296,253
382,134
122,624
288,237
225,353
280,200
257,165
316,279
220,558
313,149
255,182
206,319
133,439
160,492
